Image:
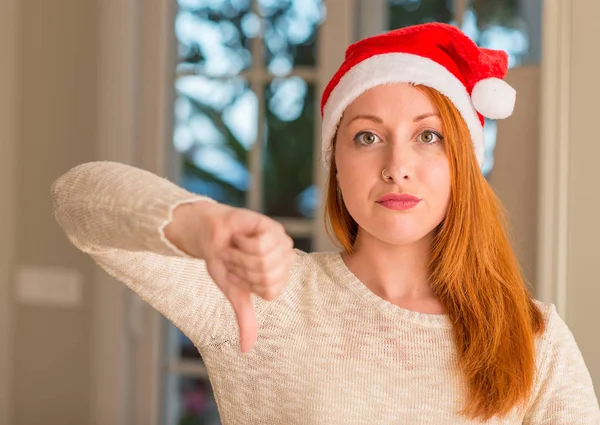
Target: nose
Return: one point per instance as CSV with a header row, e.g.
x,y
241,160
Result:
x,y
398,162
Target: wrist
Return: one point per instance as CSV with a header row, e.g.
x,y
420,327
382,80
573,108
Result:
x,y
189,224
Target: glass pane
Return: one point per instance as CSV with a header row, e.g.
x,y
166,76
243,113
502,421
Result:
x,y
303,244
214,36
197,404
510,25
187,350
290,33
403,13
215,126
499,24
490,132
288,157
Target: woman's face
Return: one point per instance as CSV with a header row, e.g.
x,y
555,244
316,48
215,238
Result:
x,y
397,128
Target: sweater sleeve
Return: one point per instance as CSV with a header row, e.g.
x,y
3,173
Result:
x,y
116,214
564,391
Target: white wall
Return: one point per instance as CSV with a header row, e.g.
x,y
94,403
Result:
x,y
48,118
515,173
8,140
583,243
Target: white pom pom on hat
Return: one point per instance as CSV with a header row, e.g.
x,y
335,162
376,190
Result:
x,y
494,98
436,55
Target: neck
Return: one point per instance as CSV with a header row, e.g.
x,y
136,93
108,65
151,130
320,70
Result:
x,y
393,272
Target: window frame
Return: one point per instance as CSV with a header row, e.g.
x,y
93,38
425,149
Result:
x,y
334,35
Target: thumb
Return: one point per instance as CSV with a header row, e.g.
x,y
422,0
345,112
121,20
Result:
x,y
246,317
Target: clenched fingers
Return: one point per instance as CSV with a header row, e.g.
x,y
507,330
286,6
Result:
x,y
267,285
259,263
237,281
271,236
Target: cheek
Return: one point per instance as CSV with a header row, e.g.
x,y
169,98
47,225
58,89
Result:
x,y
355,172
437,176
355,185
356,180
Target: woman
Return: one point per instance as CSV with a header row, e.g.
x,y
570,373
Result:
x,y
424,317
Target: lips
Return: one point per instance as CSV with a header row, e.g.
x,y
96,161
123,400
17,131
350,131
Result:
x,y
396,201
399,197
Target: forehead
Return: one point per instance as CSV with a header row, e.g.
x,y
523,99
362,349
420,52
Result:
x,y
398,98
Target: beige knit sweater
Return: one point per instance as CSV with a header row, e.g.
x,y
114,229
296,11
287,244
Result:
x,y
329,350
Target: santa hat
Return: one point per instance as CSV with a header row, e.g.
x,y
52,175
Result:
x,y
436,55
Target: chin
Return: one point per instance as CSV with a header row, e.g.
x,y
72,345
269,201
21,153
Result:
x,y
404,229
402,240
404,234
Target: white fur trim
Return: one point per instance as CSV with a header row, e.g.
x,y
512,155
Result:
x,y
494,98
398,68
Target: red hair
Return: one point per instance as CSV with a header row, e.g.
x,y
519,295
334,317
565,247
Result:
x,y
475,275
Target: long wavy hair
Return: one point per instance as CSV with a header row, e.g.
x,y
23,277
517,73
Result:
x,y
474,274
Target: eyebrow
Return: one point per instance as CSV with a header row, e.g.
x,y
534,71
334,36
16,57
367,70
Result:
x,y
423,116
374,118
378,120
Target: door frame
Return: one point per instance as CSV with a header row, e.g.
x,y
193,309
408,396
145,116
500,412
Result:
x,y
135,97
552,247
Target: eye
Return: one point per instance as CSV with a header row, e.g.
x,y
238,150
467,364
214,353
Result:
x,y
366,138
429,137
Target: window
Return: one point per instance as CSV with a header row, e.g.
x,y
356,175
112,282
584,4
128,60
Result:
x,y
246,116
510,25
249,75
